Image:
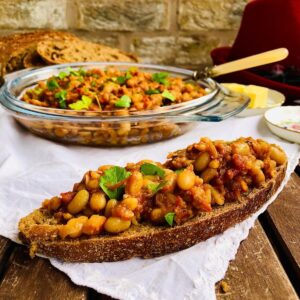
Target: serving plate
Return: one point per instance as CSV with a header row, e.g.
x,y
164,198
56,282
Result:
x,y
285,122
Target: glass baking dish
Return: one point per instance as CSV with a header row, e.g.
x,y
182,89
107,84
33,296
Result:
x,y
119,127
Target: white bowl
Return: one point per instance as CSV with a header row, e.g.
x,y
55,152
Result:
x,y
279,120
275,99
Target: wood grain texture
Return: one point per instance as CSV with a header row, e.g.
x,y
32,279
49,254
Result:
x,y
4,245
256,273
284,217
35,279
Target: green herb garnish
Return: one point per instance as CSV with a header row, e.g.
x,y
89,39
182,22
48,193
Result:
x,y
111,177
178,171
169,217
122,79
161,77
154,187
81,71
37,91
151,169
124,101
61,96
151,92
62,75
73,72
52,84
166,94
84,103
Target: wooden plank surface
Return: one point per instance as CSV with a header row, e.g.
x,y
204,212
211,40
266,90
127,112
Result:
x,y
5,248
256,272
283,216
36,279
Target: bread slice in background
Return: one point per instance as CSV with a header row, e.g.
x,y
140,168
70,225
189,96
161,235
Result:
x,y
39,230
59,52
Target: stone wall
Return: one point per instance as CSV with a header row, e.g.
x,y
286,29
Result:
x,y
172,32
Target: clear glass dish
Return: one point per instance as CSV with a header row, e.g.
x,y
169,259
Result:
x,y
120,127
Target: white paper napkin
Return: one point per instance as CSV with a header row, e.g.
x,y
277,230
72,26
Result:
x,y
32,169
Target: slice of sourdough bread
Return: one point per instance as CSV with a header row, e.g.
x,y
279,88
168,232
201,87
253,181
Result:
x,y
40,231
58,52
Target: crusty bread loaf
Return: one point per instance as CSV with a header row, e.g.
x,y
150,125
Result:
x,y
14,48
142,240
58,52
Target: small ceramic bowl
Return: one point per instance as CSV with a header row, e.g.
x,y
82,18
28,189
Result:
x,y
285,122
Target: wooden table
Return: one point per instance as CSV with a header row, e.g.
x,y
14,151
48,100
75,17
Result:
x,y
266,265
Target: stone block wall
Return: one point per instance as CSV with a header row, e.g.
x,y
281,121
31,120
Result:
x,y
171,32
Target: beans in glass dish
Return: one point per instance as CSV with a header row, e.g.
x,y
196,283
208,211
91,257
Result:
x,y
193,181
110,90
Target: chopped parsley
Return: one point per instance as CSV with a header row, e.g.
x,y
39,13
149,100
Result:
x,y
62,75
124,101
52,84
154,187
151,169
169,217
84,103
152,91
178,171
111,177
161,78
61,97
122,79
166,94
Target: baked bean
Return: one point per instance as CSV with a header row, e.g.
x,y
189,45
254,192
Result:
x,y
116,225
214,164
134,184
202,161
122,211
92,184
171,179
73,228
157,215
216,196
186,179
131,202
55,203
109,206
277,155
208,174
93,225
240,148
97,201
79,202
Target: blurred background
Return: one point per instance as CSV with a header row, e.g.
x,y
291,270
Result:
x,y
170,32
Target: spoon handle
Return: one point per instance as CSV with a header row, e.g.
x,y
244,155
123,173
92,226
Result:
x,y
244,63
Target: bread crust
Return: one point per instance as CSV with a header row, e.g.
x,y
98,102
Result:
x,y
145,240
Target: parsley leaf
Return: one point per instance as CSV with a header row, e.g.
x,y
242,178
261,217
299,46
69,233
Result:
x,y
52,84
151,92
178,171
154,187
62,75
124,101
122,79
151,169
37,91
73,72
61,96
169,217
161,77
84,103
113,176
166,94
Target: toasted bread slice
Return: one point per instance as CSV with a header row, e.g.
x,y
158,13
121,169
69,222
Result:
x,y
58,52
40,231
